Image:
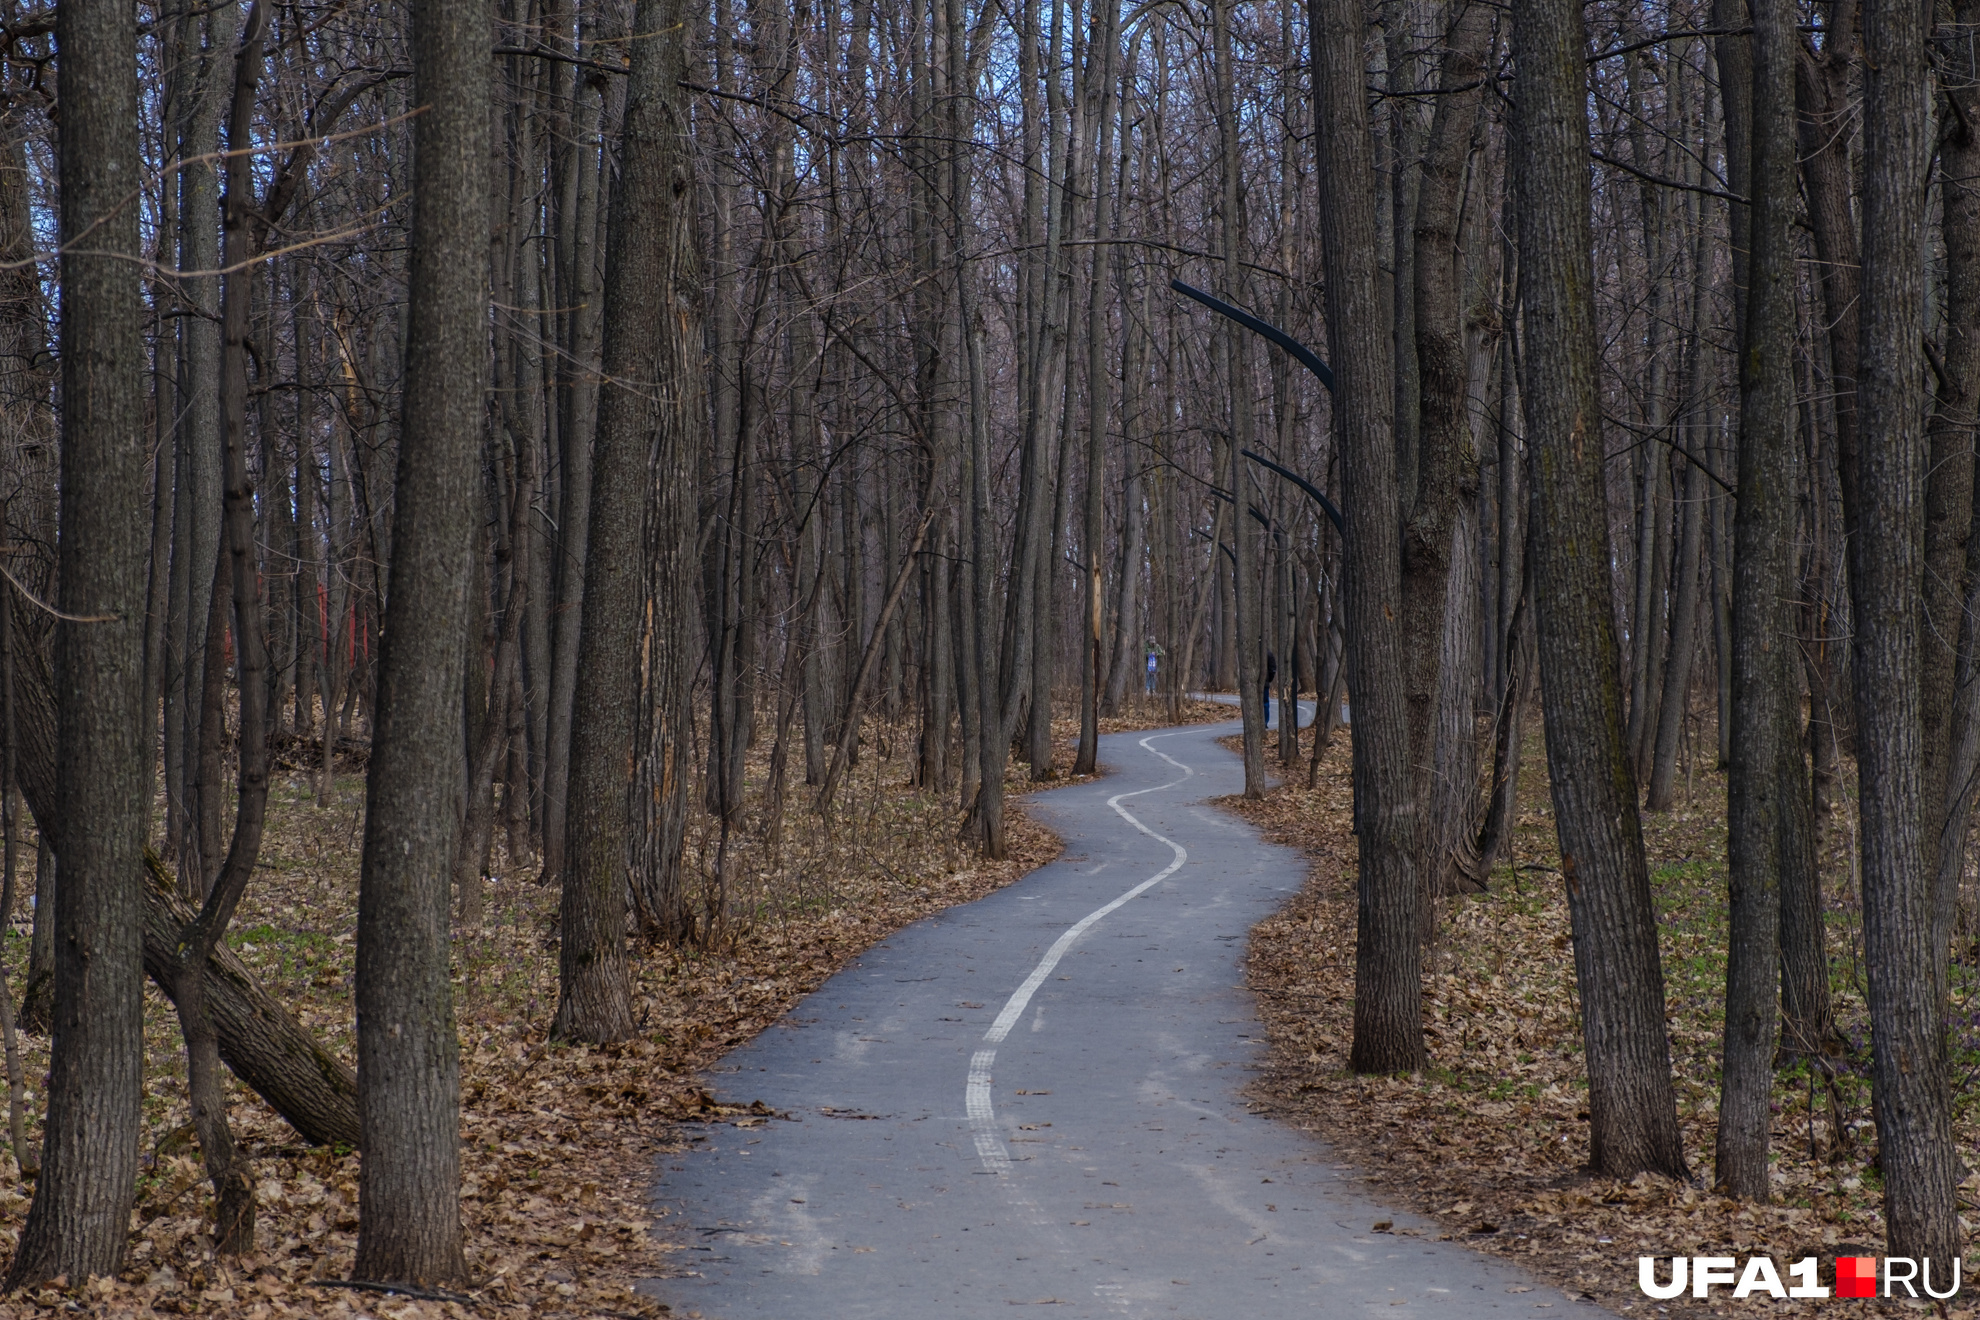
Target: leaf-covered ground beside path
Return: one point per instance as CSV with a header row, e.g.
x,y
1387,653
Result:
x,y
560,1143
1491,1141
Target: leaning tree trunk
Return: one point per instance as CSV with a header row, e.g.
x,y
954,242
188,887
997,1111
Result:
x,y
1632,1110
260,1040
408,1050
80,1218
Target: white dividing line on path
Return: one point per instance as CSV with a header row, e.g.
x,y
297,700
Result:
x,y
990,1146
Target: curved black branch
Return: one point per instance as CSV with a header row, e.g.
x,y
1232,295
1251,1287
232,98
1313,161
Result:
x,y
1260,516
1306,356
1340,524
1230,553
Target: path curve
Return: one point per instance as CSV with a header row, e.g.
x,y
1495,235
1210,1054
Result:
x,y
1036,1099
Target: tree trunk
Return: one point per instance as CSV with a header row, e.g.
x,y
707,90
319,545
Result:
x,y
1235,350
38,990
487,745
1632,1110
644,424
196,543
1953,425
80,1218
1672,708
578,425
1446,465
233,1188
259,1039
1694,420
408,1051
1388,1014
1099,401
1767,784
1884,495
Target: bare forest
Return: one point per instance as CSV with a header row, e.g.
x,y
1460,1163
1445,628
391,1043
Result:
x,y
631,478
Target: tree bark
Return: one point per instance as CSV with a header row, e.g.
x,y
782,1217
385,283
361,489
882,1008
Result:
x,y
1632,1110
576,429
80,1217
1767,783
1885,498
1953,427
1693,420
1099,401
233,1188
644,424
1235,345
1446,465
1388,1014
408,1052
196,543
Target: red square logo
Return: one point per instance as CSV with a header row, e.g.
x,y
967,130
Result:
x,y
1856,1276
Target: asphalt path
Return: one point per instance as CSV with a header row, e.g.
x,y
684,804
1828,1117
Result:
x,y
1036,1100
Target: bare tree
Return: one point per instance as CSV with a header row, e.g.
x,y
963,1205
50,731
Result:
x,y
82,1199
1388,1016
1632,1108
644,425
1767,794
1909,1068
408,1054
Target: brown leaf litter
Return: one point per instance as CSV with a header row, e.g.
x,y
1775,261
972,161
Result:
x,y
561,1145
1492,1141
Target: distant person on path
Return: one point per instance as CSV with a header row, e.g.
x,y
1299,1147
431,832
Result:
x,y
1271,672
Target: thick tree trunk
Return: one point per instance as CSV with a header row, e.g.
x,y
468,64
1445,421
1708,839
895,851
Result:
x,y
1632,1110
408,1051
1884,494
1953,425
1446,465
1388,1013
669,650
80,1218
644,424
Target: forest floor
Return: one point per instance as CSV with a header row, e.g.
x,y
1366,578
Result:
x,y
1492,1141
560,1143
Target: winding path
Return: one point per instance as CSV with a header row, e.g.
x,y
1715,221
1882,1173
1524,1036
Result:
x,y
1035,1099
